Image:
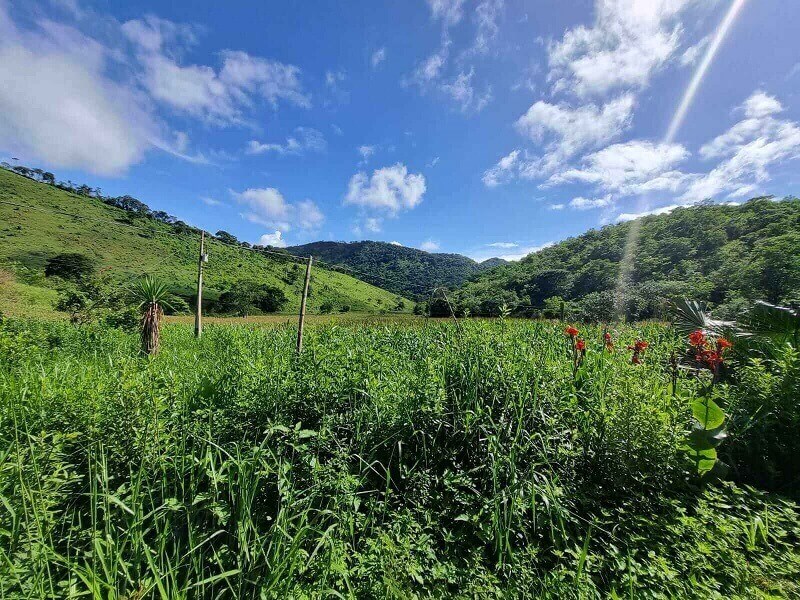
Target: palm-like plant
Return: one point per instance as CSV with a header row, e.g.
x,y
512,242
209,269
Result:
x,y
153,297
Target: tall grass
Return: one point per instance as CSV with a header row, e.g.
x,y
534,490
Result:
x,y
388,461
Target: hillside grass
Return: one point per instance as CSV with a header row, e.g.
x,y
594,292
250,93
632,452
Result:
x,y
388,461
129,246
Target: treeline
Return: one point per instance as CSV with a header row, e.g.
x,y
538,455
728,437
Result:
x,y
725,256
135,207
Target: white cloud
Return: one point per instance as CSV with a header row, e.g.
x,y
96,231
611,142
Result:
x,y
523,252
630,167
267,206
304,139
656,211
761,104
390,189
373,224
57,105
366,153
629,41
503,171
462,91
692,53
581,203
574,129
559,206
503,245
429,246
449,11
220,96
748,149
273,239
208,201
428,70
378,57
433,162
393,243
486,15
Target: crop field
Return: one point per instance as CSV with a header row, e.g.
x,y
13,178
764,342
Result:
x,y
478,459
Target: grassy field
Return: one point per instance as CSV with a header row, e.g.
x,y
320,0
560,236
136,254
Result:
x,y
130,247
388,461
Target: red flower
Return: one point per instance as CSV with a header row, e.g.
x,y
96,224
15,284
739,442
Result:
x,y
640,345
697,338
723,344
571,332
607,342
580,345
636,360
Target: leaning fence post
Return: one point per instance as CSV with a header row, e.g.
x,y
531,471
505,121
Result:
x,y
303,307
198,315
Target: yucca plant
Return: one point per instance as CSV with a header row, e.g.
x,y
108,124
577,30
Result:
x,y
152,296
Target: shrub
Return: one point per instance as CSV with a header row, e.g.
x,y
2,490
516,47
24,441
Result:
x,y
70,266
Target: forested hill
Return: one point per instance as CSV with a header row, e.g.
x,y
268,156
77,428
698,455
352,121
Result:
x,y
720,254
403,270
39,221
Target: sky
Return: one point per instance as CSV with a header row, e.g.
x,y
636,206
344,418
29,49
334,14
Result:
x,y
482,127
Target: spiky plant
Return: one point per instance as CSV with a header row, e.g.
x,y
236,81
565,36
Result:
x,y
153,297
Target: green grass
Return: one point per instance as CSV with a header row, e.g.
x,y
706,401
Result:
x,y
28,237
389,461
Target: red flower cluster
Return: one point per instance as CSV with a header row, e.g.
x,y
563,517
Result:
x,y
639,346
580,345
571,332
707,352
607,342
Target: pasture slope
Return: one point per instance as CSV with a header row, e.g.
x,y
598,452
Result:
x,y
130,246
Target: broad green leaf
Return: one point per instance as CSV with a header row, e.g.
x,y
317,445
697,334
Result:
x,y
706,411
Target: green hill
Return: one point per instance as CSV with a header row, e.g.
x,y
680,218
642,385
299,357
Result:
x,y
403,270
724,255
128,245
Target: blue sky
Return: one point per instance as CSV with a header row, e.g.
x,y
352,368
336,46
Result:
x,y
484,127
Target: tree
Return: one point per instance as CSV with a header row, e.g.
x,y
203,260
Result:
x,y
225,237
71,266
326,308
246,297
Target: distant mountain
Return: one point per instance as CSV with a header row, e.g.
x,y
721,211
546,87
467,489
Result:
x,y
39,221
723,255
400,269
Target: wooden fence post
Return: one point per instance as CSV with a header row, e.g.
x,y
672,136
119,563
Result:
x,y
303,307
198,315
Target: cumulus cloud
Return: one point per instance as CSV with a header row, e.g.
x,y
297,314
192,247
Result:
x,y
274,239
267,207
220,96
305,139
390,189
58,105
629,41
429,246
574,129
503,171
629,168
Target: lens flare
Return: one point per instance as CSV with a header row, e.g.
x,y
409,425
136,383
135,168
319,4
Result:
x,y
632,240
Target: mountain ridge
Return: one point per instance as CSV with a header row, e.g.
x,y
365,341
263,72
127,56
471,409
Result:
x,y
397,268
